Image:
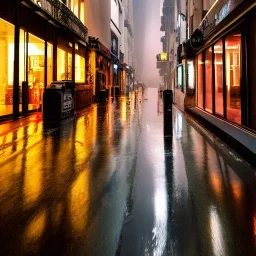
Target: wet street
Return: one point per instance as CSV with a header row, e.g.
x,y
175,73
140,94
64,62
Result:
x,y
108,183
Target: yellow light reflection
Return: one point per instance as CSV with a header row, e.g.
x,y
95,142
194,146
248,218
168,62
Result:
x,y
35,230
80,143
79,204
123,110
93,121
216,233
33,177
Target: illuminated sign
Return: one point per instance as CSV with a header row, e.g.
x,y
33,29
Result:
x,y
191,75
164,56
226,9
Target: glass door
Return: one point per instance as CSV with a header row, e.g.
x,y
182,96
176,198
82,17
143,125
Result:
x,y
36,70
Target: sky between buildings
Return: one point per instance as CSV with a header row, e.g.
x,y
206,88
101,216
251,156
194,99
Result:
x,y
147,40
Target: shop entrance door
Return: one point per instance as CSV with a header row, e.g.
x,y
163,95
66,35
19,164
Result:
x,y
32,69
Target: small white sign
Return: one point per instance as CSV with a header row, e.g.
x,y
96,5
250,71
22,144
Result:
x,y
67,101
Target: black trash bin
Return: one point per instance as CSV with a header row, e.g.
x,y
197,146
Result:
x,y
58,101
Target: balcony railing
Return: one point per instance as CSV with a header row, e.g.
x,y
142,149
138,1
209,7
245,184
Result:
x,y
64,15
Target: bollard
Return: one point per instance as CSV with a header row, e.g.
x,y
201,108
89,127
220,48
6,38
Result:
x,y
167,102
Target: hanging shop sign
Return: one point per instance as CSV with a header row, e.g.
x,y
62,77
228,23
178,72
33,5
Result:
x,y
197,39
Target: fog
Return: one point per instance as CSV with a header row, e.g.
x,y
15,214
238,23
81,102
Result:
x,y
147,40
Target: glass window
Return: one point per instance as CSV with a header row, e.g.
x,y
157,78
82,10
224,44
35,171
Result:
x,y
200,81
6,67
64,65
251,71
208,80
233,73
80,69
36,55
218,67
49,63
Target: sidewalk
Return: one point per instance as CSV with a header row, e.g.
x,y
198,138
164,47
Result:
x,y
11,125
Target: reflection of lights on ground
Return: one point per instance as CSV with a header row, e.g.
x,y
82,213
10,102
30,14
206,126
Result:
x,y
34,231
216,233
216,183
254,227
160,229
237,190
79,203
160,209
178,125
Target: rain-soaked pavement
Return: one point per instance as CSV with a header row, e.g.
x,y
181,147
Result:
x,y
107,183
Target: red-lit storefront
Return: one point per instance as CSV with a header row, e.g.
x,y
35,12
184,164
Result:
x,y
225,71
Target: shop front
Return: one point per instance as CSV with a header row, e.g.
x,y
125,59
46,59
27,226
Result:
x,y
100,62
35,49
225,71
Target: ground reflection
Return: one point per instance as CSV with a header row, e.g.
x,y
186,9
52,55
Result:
x,y
53,179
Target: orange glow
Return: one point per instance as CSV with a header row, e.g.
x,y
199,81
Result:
x,y
123,110
78,209
34,231
216,183
33,177
254,226
237,190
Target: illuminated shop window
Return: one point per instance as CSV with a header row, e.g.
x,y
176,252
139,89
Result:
x,y
208,80
218,67
200,81
80,69
233,74
49,63
36,68
64,65
6,67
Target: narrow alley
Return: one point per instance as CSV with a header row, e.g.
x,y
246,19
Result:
x,y
107,182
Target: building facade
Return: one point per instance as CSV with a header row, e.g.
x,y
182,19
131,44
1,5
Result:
x,y
129,57
97,18
41,41
215,76
117,44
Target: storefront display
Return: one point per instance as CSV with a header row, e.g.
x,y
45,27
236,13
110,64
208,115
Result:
x,y
6,67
